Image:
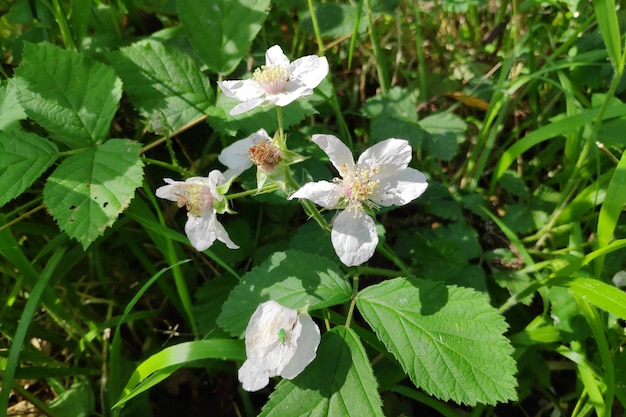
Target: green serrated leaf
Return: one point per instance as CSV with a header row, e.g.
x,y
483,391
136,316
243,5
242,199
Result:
x,y
78,401
222,30
163,82
23,158
88,190
72,97
447,131
292,278
448,339
339,382
10,110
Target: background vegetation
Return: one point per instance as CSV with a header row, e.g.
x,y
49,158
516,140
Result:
x,y
514,112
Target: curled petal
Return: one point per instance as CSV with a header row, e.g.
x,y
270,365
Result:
x,y
309,71
307,344
322,193
253,378
169,191
354,237
204,230
275,56
292,93
337,151
388,155
400,189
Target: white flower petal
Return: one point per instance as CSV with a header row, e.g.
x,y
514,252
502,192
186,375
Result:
x,y
388,156
307,343
308,71
337,151
169,191
291,94
242,90
213,180
275,56
354,237
400,189
263,328
322,193
246,105
253,378
237,155
198,230
222,235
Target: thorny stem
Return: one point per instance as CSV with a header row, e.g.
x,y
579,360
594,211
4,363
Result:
x,y
355,290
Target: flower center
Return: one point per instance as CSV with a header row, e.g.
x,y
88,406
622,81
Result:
x,y
358,187
265,155
196,198
272,78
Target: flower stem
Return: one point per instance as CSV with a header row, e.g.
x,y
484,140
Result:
x,y
355,291
316,28
281,129
269,188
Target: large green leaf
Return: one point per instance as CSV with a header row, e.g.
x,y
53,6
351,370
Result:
x,y
88,190
23,158
292,278
598,293
72,97
339,382
448,339
163,82
222,30
10,110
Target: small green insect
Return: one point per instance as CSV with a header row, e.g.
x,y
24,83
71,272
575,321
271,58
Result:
x,y
282,336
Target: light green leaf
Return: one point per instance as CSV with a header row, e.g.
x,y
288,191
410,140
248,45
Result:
x,y
447,131
222,30
448,339
88,190
598,293
292,278
613,204
606,15
10,110
162,364
339,382
163,82
23,158
72,97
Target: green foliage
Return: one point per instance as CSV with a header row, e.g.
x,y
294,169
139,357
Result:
x,y
339,382
233,26
163,82
88,190
74,98
294,279
449,340
23,158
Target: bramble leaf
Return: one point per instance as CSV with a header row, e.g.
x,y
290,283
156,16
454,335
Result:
x,y
339,382
88,190
222,31
292,278
10,110
72,97
448,339
163,82
23,158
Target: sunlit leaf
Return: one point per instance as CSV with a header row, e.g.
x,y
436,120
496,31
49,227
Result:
x,y
292,278
74,98
163,82
448,339
88,190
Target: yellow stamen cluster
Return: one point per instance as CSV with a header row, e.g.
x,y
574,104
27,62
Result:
x,y
358,186
265,155
196,198
272,78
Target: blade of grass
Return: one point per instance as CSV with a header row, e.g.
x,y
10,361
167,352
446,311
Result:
x,y
28,313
